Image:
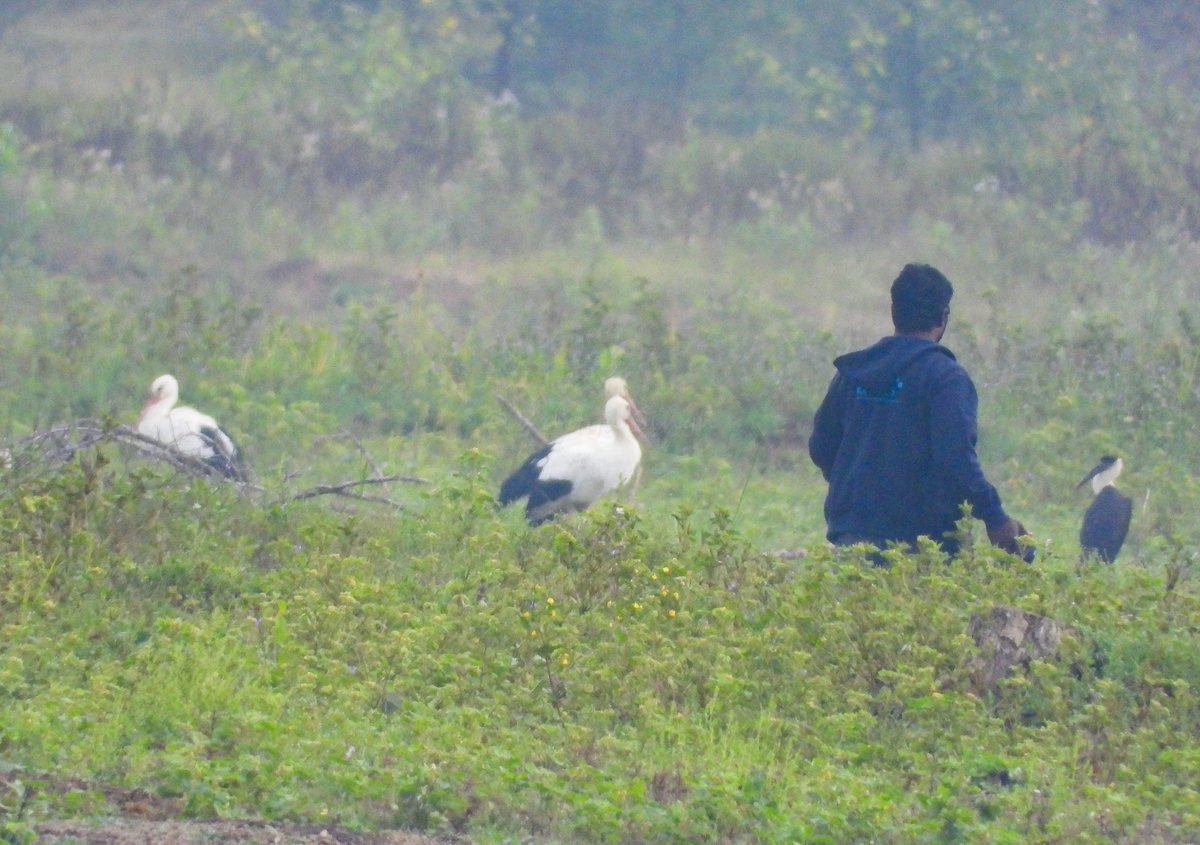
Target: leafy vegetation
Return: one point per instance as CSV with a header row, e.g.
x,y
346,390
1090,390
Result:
x,y
334,226
604,679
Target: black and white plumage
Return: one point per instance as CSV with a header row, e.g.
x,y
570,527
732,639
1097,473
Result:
x,y
573,471
1106,521
189,431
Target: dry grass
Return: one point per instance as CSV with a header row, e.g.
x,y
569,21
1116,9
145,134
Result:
x,y
99,50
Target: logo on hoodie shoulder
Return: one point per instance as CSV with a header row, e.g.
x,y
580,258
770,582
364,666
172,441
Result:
x,y
889,396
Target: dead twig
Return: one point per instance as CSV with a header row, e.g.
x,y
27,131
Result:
x,y
58,445
523,420
169,454
333,490
344,489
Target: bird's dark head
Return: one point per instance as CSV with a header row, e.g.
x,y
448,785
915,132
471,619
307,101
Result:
x,y
1103,473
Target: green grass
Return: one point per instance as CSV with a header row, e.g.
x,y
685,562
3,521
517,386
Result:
x,y
608,678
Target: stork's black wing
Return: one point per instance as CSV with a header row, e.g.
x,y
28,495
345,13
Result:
x,y
525,480
226,457
528,481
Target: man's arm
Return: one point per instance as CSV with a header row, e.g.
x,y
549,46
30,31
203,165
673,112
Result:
x,y
953,427
826,437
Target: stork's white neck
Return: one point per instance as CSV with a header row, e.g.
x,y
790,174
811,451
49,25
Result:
x,y
164,393
1102,479
617,415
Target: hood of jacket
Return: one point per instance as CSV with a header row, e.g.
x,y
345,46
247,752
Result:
x,y
877,367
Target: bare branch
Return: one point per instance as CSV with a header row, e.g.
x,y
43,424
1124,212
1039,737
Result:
x,y
169,454
325,489
58,445
523,420
337,490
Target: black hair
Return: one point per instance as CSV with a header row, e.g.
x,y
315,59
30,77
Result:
x,y
920,298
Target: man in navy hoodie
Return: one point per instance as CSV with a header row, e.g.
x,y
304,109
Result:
x,y
895,436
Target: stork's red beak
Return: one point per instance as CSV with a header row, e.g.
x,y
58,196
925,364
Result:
x,y
638,416
637,421
146,407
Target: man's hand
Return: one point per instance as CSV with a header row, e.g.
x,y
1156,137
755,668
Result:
x,y
1005,537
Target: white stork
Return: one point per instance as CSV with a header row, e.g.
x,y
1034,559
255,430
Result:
x,y
194,434
573,471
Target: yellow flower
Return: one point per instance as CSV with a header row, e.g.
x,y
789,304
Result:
x,y
550,600
671,613
533,633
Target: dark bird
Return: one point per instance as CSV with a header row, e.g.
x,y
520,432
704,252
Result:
x,y
573,471
1107,519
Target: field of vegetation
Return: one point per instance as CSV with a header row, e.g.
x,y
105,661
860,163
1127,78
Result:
x,y
352,229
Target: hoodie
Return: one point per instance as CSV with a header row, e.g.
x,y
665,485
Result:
x,y
895,438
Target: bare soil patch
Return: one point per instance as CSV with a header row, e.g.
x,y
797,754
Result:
x,y
122,816
135,832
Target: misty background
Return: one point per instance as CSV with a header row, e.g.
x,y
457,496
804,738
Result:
x,y
324,150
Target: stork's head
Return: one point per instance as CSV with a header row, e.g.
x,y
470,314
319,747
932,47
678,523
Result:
x,y
616,386
619,411
164,393
1103,474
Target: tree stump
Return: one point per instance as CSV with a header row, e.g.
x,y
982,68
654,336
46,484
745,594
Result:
x,y
1009,636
